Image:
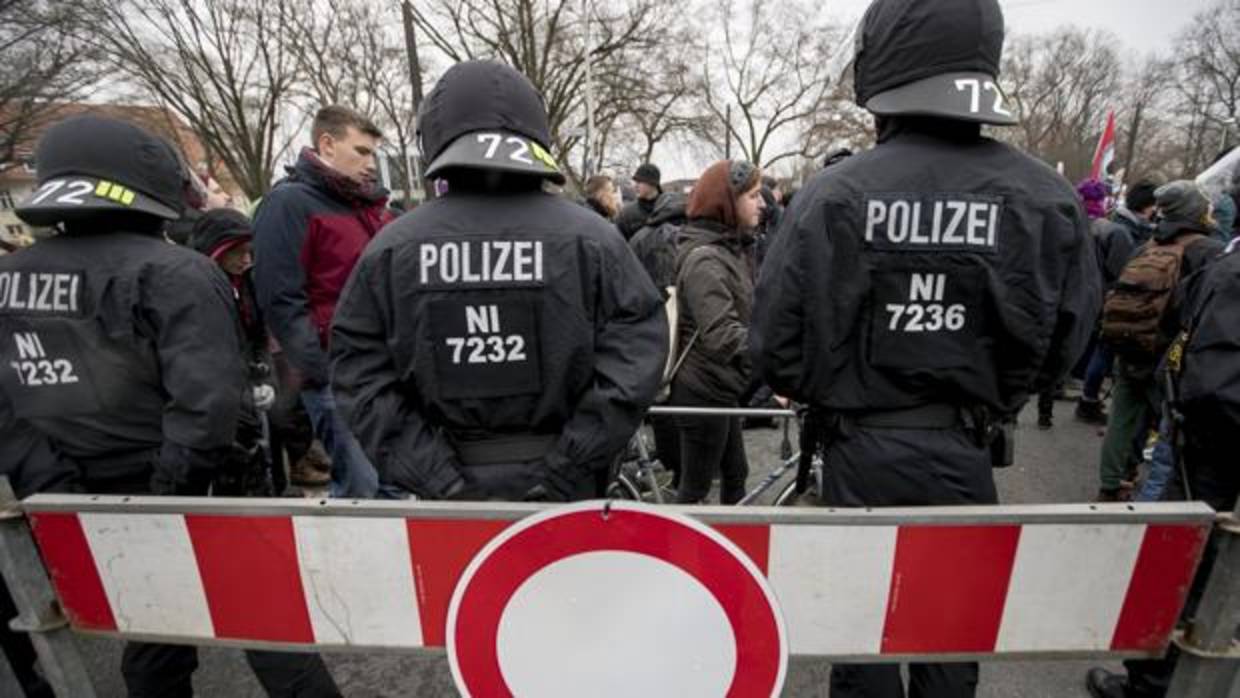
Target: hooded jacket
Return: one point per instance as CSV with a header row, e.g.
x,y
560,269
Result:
x,y
215,233
309,233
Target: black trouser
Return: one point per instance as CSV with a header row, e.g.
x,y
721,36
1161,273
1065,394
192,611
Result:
x,y
709,445
1046,402
667,445
153,670
906,467
164,671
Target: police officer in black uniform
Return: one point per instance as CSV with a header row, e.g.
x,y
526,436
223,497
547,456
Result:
x,y
498,342
122,351
919,293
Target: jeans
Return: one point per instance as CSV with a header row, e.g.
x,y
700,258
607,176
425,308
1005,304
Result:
x,y
1097,371
1162,466
353,476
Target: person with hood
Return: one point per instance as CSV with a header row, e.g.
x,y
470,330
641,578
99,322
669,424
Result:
x,y
1185,229
123,352
1115,239
225,235
647,180
916,339
309,233
500,341
714,283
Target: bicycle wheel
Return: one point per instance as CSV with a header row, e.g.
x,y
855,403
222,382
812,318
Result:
x,y
623,488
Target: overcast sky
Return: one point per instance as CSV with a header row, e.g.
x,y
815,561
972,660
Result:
x,y
1143,25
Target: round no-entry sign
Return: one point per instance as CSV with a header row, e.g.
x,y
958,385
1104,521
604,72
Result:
x,y
625,600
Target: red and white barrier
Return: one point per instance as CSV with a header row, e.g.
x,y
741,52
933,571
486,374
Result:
x,y
1053,581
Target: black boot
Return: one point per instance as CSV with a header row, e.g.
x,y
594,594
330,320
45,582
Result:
x,y
1105,684
1091,412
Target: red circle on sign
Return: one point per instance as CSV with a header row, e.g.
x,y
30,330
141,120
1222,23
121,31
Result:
x,y
530,545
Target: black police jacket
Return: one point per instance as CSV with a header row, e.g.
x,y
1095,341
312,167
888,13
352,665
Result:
x,y
117,347
1210,377
483,315
939,267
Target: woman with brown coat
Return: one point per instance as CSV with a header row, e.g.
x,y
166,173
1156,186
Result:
x,y
714,283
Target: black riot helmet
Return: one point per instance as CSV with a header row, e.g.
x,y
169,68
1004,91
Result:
x,y
932,58
92,165
485,115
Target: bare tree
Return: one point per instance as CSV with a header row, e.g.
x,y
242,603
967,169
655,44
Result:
x,y
1208,82
350,52
1061,85
545,40
223,65
771,69
43,62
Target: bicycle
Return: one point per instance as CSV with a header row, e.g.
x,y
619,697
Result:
x,y
637,475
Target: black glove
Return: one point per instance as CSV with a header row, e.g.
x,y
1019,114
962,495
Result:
x,y
463,490
185,472
556,486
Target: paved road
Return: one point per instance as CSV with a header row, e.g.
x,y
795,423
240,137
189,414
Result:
x,y
1052,466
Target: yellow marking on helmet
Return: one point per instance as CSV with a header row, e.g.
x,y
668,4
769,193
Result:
x,y
127,197
101,190
543,156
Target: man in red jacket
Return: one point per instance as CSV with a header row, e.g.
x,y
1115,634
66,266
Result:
x,y
309,233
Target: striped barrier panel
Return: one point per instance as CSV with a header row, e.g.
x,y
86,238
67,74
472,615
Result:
x,y
863,585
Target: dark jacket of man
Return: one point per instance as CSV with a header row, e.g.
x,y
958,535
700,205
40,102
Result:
x,y
898,280
1118,239
633,216
485,317
309,233
137,366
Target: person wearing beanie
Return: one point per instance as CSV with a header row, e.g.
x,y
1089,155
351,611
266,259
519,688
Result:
x,y
1115,240
914,342
714,283
648,182
1184,220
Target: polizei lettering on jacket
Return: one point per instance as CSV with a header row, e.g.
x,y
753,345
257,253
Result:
x,y
480,263
40,292
933,222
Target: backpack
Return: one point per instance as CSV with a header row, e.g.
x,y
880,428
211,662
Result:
x,y
655,248
1133,313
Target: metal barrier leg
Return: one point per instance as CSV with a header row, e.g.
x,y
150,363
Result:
x,y
38,613
1208,666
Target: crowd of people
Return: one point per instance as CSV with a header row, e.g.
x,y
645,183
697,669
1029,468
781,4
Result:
x,y
502,341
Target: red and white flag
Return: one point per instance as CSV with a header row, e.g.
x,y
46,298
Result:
x,y
1105,152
